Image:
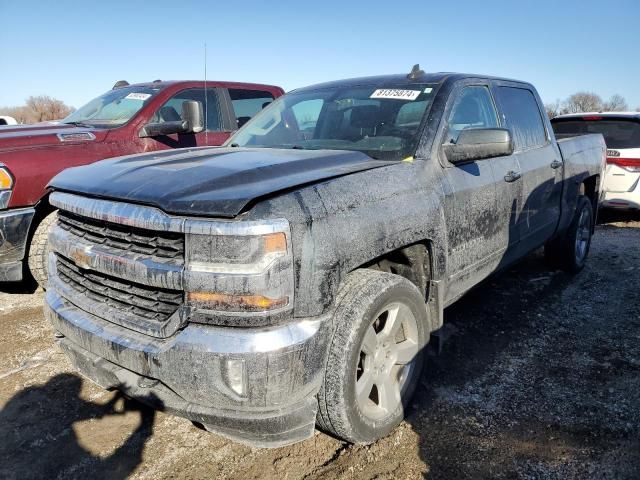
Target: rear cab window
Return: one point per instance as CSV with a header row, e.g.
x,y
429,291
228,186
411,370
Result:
x,y
523,117
617,133
246,103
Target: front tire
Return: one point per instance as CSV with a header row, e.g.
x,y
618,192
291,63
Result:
x,y
39,251
375,357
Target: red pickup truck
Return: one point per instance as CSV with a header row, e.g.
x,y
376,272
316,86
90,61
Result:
x,y
126,120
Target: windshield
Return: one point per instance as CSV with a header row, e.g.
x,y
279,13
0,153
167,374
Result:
x,y
383,123
114,108
616,133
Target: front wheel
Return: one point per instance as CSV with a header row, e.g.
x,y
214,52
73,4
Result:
x,y
570,252
375,357
39,250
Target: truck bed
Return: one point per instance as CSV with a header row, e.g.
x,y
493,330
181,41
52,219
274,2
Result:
x,y
584,156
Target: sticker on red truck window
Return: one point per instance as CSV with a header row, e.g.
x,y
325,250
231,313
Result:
x,y
395,94
138,96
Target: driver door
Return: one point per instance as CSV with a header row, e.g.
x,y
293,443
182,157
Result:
x,y
477,213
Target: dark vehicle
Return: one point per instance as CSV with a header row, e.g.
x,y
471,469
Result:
x,y
128,119
294,277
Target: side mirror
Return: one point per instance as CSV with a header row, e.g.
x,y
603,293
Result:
x,y
193,116
479,143
192,122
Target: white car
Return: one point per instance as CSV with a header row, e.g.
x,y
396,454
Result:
x,y
7,120
621,131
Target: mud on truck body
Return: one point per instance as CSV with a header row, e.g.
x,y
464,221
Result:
x,y
128,119
293,278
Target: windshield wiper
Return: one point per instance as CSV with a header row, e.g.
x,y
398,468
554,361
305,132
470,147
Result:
x,y
298,147
78,124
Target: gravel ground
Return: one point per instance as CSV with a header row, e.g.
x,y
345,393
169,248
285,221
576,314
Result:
x,y
539,377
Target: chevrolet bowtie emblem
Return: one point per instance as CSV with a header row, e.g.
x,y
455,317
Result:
x,y
82,259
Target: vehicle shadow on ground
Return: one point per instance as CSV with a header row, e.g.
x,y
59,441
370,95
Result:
x,y
477,329
23,287
39,439
460,433
610,216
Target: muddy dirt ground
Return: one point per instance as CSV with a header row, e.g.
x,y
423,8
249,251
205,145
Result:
x,y
539,377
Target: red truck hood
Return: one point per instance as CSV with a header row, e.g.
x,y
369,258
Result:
x,y
45,135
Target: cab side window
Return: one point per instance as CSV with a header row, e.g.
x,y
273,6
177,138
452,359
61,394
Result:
x,y
472,109
171,111
523,117
246,103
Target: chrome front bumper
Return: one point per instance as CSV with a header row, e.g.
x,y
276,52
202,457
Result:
x,y
196,372
14,232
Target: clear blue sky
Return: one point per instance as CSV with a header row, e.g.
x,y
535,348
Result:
x,y
77,50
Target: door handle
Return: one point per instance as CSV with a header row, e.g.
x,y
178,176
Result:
x,y
512,176
556,164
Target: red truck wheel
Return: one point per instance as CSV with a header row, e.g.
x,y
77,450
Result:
x,y
38,250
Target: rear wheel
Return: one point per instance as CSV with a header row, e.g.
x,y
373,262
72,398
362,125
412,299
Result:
x,y
39,251
375,357
570,252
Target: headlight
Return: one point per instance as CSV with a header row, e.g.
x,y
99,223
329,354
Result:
x,y
238,272
6,184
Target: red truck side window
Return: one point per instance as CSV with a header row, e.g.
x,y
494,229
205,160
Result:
x,y
172,108
246,103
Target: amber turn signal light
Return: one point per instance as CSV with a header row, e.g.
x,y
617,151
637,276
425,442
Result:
x,y
6,180
275,242
235,303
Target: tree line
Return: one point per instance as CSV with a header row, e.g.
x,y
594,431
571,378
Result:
x,y
40,108
581,102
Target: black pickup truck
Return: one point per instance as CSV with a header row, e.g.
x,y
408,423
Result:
x,y
293,277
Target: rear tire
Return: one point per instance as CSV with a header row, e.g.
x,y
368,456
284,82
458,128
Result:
x,y
39,251
571,250
375,356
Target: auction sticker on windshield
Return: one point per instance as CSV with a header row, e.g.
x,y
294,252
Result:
x,y
395,94
138,96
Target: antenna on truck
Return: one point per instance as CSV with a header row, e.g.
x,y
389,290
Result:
x,y
206,98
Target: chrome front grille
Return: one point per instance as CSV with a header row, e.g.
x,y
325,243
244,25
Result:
x,y
150,303
160,244
122,263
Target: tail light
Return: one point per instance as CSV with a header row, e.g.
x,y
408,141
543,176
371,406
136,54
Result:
x,y
629,164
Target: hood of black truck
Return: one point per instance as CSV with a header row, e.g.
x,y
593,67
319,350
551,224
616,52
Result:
x,y
217,182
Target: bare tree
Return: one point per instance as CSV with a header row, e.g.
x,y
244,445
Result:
x,y
47,108
583,102
616,103
553,109
38,109
21,114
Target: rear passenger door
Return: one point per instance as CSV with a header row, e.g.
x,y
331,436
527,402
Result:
x,y
539,164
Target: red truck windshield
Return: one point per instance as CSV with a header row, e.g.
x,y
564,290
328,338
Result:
x,y
114,108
